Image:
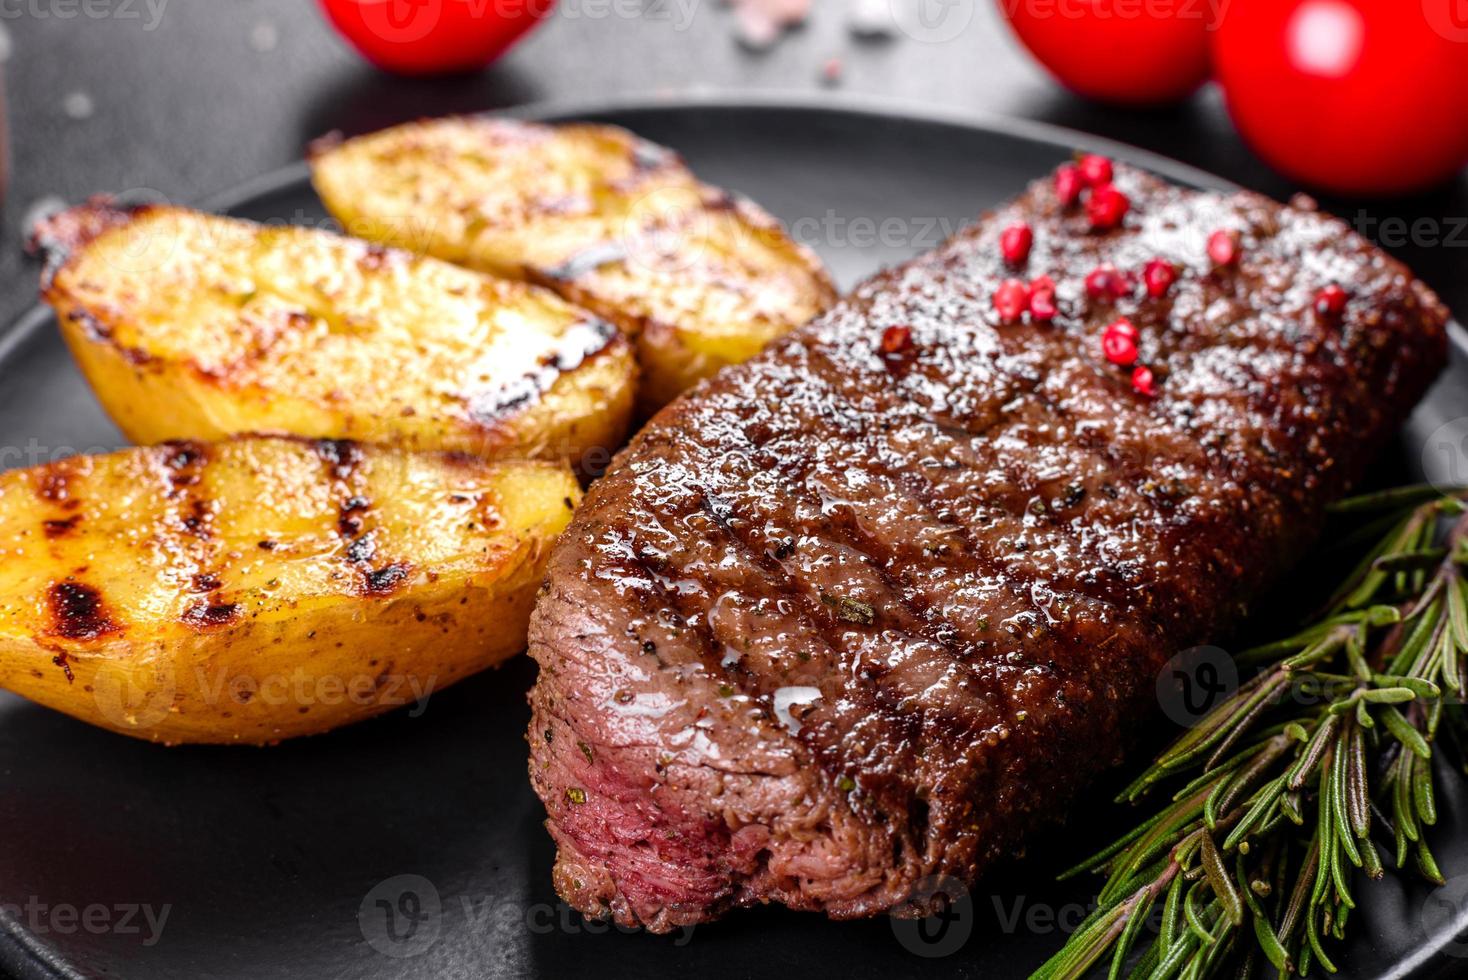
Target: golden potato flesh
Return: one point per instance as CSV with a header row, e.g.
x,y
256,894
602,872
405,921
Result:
x,y
616,224
191,325
263,588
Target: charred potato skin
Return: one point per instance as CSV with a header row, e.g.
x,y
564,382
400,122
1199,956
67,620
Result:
x,y
263,589
698,277
346,312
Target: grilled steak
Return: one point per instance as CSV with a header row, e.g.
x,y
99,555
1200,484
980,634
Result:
x,y
868,607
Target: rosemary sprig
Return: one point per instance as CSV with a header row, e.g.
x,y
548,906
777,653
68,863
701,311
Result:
x,y
1287,787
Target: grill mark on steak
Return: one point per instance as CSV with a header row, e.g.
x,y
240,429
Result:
x,y
912,623
876,695
1073,349
883,693
1138,490
827,629
655,573
929,489
800,473
930,492
1263,319
903,617
775,577
1070,354
1100,531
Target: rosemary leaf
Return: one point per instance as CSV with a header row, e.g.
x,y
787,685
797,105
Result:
x,y
1370,859
1172,916
1403,731
1443,658
1264,801
1423,794
1231,790
1220,723
1344,835
1274,950
1367,579
1084,949
1319,742
1427,866
1193,912
1358,805
1418,639
1389,695
1136,920
1174,958
1147,963
1363,716
1266,806
1394,499
1298,908
1410,561
1458,612
1221,882
1418,686
1312,934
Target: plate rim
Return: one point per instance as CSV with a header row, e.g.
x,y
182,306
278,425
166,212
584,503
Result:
x,y
29,957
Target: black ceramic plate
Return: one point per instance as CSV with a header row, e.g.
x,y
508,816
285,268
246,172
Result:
x,y
412,846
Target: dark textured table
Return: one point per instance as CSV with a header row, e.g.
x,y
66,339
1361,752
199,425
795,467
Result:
x,y
183,99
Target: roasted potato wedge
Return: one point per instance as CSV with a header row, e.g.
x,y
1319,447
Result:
x,y
190,325
259,589
700,278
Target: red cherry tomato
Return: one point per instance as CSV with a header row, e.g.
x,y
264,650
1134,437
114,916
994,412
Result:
x,y
1132,52
426,37
1355,96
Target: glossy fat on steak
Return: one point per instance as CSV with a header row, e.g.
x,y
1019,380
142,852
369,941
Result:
x,y
839,620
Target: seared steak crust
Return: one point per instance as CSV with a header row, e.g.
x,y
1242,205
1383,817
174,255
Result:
x,y
840,619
